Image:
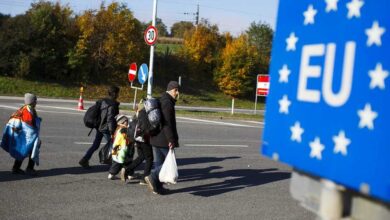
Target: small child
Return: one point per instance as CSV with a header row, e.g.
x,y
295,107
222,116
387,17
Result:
x,y
120,149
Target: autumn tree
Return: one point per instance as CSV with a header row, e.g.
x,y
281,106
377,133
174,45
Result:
x,y
110,39
235,75
200,49
179,28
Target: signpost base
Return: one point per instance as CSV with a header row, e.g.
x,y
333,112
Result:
x,y
330,201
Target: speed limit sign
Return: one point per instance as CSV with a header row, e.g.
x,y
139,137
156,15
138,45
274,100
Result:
x,y
150,35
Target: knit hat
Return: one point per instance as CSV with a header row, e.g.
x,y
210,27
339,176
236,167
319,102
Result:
x,y
121,119
172,85
29,98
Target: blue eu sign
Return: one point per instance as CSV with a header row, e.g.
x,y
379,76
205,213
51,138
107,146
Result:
x,y
328,110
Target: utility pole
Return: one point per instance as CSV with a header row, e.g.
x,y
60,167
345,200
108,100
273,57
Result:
x,y
150,79
196,15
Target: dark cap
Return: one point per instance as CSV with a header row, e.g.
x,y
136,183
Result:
x,y
172,85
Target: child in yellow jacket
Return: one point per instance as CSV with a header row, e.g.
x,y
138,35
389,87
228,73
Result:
x,y
119,150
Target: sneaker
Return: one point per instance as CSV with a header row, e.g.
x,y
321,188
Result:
x,y
143,182
18,171
111,177
123,174
151,184
31,172
84,163
131,177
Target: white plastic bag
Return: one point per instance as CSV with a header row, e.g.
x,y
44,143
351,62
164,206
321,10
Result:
x,y
168,172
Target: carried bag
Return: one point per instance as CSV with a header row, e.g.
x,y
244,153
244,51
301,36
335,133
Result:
x,y
168,172
105,154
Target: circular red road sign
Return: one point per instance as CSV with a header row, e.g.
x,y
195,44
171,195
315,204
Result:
x,y
150,35
132,72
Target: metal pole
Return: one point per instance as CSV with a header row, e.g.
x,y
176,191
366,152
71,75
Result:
x,y
135,97
232,106
150,79
255,103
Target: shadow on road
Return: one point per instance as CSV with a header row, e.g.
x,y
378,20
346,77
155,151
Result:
x,y
6,176
197,160
231,180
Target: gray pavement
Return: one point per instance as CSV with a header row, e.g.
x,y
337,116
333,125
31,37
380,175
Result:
x,y
221,175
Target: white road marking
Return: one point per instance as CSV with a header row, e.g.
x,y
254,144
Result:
x,y
215,145
9,107
254,122
38,110
218,122
85,143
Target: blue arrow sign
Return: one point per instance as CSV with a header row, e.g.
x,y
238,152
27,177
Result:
x,y
328,109
143,73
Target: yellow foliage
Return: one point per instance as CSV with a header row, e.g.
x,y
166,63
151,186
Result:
x,y
233,76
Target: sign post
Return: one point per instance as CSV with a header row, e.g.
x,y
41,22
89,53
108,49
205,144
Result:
x,y
150,80
262,87
327,115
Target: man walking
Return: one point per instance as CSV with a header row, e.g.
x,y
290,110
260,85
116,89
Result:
x,y
109,108
167,138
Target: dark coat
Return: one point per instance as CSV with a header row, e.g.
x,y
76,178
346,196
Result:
x,y
168,133
109,108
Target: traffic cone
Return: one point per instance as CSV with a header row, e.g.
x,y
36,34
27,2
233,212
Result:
x,y
81,103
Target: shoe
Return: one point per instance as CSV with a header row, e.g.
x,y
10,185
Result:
x,y
143,182
131,177
18,171
31,172
151,184
111,177
123,175
84,163
163,191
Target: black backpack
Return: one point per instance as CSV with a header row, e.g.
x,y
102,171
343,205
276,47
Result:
x,y
153,111
92,116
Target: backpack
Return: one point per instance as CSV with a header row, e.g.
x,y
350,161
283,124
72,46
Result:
x,y
138,126
92,116
153,111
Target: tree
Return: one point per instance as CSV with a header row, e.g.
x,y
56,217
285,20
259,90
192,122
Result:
x,y
234,76
36,43
53,34
178,29
200,48
260,35
110,39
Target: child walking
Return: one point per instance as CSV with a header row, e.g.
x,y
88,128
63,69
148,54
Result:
x,y
140,136
120,147
21,136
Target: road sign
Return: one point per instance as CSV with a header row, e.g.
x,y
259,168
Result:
x,y
262,85
132,72
328,113
150,35
143,73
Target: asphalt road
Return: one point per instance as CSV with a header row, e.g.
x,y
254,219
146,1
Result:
x,y
221,175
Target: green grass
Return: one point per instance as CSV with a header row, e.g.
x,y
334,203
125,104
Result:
x,y
17,87
173,48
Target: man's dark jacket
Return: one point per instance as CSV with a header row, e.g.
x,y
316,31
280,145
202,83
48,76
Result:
x,y
168,132
109,108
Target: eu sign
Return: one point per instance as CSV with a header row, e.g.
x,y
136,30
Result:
x,y
328,110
